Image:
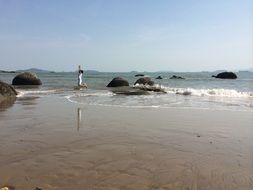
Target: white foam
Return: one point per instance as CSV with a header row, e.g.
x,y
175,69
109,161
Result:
x,y
167,106
22,93
226,99
96,94
210,92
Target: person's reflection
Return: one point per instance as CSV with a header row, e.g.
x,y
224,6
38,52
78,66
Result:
x,y
79,118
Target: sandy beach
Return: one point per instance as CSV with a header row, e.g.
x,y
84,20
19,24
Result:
x,y
126,95
50,143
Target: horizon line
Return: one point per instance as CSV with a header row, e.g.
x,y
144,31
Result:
x,y
133,71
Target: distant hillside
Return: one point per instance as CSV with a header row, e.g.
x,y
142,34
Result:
x,y
219,71
91,71
2,71
35,70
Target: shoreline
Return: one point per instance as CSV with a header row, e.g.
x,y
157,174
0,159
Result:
x,y
158,107
50,143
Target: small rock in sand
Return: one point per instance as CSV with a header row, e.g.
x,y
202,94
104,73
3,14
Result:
x,y
7,188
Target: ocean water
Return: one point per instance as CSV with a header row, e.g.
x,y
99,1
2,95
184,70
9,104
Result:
x,y
199,90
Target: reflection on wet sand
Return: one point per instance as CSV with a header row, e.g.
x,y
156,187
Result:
x,y
25,87
124,148
28,101
6,103
79,118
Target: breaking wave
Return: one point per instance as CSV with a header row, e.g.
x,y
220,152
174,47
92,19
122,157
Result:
x,y
22,93
209,92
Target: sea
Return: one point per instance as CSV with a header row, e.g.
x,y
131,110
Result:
x,y
197,91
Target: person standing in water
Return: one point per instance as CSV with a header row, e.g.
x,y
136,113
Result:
x,y
80,76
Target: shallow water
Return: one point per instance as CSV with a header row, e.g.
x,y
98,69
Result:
x,y
55,137
198,90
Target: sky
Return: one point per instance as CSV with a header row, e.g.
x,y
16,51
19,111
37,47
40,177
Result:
x,y
126,35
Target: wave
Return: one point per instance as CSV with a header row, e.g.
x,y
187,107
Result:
x,y
36,92
209,92
95,94
173,98
177,105
215,92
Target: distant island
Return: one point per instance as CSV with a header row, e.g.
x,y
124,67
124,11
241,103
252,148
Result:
x,y
35,70
32,70
2,71
91,71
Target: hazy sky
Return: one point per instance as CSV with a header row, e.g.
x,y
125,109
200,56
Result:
x,y
126,35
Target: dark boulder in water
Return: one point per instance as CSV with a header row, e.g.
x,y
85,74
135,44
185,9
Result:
x,y
26,78
159,77
226,75
139,75
176,77
117,82
145,81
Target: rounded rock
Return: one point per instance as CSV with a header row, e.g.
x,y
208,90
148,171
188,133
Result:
x,y
26,78
144,81
117,82
226,75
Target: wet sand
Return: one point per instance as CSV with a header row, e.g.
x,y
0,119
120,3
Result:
x,y
53,144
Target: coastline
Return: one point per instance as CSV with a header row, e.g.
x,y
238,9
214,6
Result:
x,y
50,143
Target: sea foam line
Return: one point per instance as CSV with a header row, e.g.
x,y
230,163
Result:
x,y
209,92
167,106
22,93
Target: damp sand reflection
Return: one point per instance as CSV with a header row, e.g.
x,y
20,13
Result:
x,y
6,103
124,148
79,118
